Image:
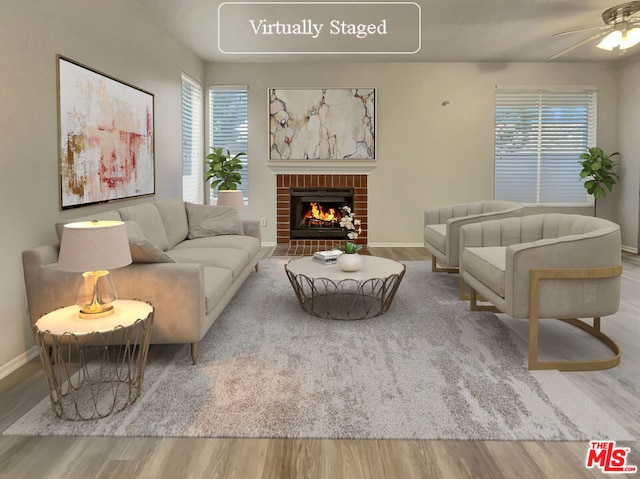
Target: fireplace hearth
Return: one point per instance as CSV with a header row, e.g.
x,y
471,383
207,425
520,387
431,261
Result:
x,y
316,212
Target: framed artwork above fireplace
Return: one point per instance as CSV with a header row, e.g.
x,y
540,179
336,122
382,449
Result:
x,y
322,124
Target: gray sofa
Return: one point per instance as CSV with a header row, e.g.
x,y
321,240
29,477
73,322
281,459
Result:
x,y
188,262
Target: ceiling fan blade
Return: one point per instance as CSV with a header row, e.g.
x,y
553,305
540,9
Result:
x,y
601,27
579,44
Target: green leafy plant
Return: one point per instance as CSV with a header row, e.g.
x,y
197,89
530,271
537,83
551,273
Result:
x,y
224,169
597,167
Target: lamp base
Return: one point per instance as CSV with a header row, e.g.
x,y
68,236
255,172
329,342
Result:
x,y
96,295
96,315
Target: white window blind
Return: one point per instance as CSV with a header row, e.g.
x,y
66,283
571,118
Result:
x,y
192,139
228,127
539,137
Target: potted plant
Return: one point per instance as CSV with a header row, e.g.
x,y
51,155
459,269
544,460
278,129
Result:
x,y
224,173
597,168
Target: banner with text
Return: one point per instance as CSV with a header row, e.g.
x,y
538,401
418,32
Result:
x,y
319,28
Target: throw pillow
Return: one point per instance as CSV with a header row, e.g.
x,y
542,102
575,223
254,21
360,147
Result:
x,y
143,250
149,219
207,220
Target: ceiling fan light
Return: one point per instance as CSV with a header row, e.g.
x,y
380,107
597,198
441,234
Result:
x,y
630,38
611,41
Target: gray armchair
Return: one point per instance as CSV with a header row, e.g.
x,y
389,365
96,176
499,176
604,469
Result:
x,y
547,266
442,228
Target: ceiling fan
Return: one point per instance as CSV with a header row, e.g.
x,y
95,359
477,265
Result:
x,y
621,29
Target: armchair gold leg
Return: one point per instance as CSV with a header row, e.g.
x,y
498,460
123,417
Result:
x,y
474,306
462,292
593,330
586,365
437,269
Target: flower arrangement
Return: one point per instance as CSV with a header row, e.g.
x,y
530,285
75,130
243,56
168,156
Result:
x,y
352,226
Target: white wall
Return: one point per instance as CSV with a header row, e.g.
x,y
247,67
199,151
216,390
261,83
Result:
x,y
117,37
428,155
629,146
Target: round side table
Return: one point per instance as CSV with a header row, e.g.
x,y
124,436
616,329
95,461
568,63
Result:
x,y
94,367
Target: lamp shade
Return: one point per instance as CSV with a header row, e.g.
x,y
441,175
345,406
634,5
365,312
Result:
x,y
93,246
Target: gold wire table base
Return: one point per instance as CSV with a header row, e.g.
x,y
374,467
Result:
x,y
92,375
346,299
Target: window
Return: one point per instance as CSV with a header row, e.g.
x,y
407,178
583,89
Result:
x,y
192,136
539,137
228,126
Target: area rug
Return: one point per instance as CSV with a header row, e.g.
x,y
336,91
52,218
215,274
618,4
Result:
x,y
427,369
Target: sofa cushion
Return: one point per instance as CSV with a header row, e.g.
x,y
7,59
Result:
x,y
217,281
488,265
436,235
232,259
207,220
148,217
143,250
174,218
245,243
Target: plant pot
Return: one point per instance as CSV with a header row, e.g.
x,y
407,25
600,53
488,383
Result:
x,y
230,198
349,262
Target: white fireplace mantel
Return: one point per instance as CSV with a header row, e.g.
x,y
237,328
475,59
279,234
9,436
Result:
x,y
302,167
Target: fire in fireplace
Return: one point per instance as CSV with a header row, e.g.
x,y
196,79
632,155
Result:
x,y
316,212
320,216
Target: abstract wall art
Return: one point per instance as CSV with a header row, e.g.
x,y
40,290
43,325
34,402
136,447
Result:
x,y
106,137
322,124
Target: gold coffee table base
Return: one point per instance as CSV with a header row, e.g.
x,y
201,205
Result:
x,y
343,297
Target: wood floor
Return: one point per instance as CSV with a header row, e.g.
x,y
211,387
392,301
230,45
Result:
x,y
616,390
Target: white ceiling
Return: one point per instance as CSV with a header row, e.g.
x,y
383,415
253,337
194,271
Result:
x,y
452,31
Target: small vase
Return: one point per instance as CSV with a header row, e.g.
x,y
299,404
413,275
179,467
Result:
x,y
349,262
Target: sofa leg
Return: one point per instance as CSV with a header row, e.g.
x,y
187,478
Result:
x,y
257,267
194,353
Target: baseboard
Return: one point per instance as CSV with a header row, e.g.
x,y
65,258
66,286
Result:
x,y
18,362
268,243
396,245
630,249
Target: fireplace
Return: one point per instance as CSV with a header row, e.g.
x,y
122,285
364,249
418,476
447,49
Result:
x,y
315,213
285,183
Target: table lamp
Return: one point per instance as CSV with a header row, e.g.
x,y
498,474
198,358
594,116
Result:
x,y
92,248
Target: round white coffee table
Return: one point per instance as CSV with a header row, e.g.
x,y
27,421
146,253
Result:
x,y
328,292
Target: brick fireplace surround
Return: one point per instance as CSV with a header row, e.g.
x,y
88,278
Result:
x,y
295,247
